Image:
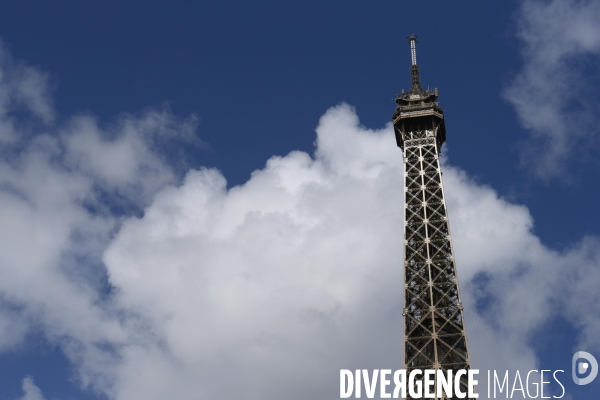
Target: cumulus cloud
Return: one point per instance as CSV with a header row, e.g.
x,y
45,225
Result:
x,y
269,288
554,93
253,290
263,290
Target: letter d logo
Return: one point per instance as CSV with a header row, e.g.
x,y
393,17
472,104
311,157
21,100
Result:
x,y
583,367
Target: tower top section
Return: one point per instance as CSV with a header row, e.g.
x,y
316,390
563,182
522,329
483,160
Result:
x,y
417,96
417,109
414,68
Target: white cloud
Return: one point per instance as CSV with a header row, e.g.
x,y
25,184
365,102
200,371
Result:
x,y
57,201
31,391
554,93
253,290
123,159
270,288
22,88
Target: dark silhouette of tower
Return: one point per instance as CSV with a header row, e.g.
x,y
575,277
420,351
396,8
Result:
x,y
434,329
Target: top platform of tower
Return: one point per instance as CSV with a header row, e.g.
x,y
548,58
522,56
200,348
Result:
x,y
418,109
414,104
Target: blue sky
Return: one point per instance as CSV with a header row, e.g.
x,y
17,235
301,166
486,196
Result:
x,y
106,107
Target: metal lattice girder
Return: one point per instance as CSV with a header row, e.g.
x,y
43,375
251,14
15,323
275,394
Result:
x,y
434,331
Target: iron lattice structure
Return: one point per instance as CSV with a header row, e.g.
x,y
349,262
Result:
x,y
434,329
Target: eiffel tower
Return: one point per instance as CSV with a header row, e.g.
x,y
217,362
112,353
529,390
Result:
x,y
434,328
